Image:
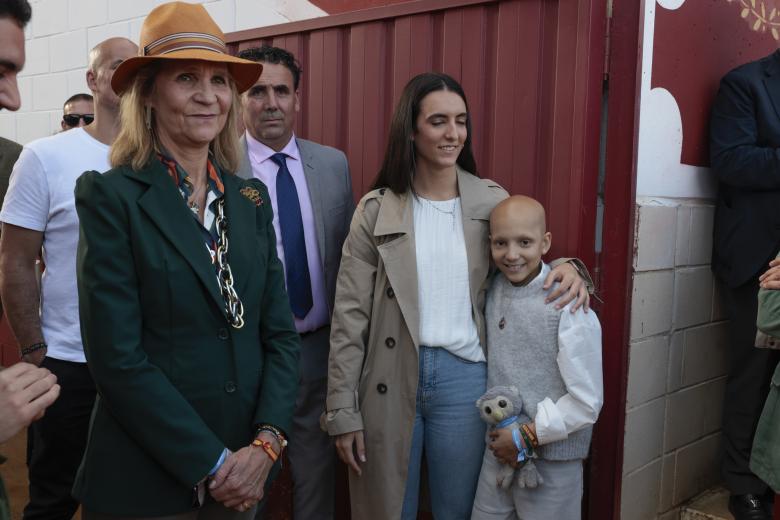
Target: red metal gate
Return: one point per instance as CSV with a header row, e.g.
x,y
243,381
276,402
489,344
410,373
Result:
x,y
531,69
533,73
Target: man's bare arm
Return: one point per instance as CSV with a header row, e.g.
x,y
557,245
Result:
x,y
19,249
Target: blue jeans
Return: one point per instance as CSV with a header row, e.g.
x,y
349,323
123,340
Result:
x,y
448,427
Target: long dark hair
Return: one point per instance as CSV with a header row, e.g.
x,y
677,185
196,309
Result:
x,y
397,170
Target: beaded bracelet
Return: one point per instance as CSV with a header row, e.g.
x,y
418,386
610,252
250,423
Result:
x,y
33,348
266,448
280,438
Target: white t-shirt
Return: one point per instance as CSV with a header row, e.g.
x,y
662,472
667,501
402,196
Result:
x,y
443,279
40,197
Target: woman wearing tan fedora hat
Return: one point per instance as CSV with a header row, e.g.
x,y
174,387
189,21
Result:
x,y
185,321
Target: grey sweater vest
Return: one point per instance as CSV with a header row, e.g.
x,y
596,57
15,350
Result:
x,y
524,353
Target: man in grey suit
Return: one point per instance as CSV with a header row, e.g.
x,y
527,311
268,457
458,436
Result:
x,y
311,193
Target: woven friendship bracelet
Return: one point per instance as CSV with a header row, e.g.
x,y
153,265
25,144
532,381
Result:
x,y
528,445
522,453
534,440
266,448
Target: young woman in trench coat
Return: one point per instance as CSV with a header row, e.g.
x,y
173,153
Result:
x,y
391,390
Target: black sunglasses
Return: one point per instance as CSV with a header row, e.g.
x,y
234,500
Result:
x,y
73,119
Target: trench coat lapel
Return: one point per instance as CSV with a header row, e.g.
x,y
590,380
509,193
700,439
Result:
x,y
772,80
165,207
476,208
399,257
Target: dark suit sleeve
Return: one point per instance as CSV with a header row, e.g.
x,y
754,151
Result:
x,y
737,157
281,343
136,392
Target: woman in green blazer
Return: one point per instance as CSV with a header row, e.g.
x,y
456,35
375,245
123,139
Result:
x,y
185,320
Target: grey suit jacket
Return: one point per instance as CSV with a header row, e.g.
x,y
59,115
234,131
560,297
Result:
x,y
330,189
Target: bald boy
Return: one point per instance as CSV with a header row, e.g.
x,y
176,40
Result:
x,y
519,238
553,357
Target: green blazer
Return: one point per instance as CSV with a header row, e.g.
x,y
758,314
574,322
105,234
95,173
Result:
x,y
765,456
176,383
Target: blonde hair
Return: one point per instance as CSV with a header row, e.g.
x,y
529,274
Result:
x,y
136,144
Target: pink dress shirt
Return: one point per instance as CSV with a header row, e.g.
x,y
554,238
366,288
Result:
x,y
265,169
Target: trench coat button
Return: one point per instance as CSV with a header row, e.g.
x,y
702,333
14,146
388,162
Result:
x,y
390,342
223,333
230,387
381,388
390,292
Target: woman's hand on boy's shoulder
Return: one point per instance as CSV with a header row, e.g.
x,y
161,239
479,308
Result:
x,y
570,286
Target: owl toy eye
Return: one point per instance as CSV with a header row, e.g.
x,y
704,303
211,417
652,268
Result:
x,y
488,410
502,403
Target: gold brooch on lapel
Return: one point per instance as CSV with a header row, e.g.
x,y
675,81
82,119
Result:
x,y
252,194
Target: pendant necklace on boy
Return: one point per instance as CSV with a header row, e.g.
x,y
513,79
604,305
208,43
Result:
x,y
502,321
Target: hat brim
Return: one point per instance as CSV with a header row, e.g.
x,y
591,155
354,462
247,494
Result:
x,y
244,72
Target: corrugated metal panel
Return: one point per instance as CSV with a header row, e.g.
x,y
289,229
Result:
x,y
528,69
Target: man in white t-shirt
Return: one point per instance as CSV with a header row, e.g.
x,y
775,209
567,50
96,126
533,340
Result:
x,y
39,212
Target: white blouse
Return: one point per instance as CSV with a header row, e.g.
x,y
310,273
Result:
x,y
443,279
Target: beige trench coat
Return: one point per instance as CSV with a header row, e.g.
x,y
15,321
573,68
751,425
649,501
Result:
x,y
373,366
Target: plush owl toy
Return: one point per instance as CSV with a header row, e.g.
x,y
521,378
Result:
x,y
502,407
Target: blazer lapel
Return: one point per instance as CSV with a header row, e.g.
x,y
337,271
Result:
x,y
399,257
164,205
241,218
315,195
772,79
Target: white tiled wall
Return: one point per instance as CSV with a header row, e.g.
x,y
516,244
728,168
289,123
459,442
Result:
x,y
677,361
61,32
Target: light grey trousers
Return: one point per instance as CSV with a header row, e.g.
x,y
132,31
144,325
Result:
x,y
559,497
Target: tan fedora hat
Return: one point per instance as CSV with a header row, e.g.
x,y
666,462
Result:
x,y
182,31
